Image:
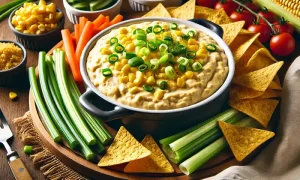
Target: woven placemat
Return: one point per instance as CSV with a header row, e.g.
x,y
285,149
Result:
x,y
50,166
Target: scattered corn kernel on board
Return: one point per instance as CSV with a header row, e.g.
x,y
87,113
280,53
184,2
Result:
x,y
254,87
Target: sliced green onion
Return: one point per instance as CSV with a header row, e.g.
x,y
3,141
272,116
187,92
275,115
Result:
x,y
144,51
141,36
183,60
151,37
163,48
113,58
148,88
196,66
173,26
170,72
149,29
135,61
191,34
185,37
168,40
178,49
182,67
164,59
190,54
154,64
157,29
106,72
163,85
119,48
152,46
129,55
28,150
138,30
113,40
143,67
211,47
158,42
139,43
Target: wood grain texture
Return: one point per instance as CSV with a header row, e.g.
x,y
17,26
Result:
x,y
19,170
13,109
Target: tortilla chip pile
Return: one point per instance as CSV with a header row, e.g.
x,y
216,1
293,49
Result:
x,y
144,157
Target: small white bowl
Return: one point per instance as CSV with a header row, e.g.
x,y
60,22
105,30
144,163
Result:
x,y
74,14
147,5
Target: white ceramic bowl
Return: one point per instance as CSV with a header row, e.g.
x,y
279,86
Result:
x,y
74,14
146,5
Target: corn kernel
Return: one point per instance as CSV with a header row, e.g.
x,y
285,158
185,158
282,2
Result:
x,y
139,78
125,69
130,85
133,90
118,66
133,69
178,33
124,62
33,27
12,95
123,31
106,51
181,82
131,77
130,47
166,34
189,74
192,41
125,39
149,73
123,79
150,80
162,76
41,27
19,28
121,36
162,69
202,45
172,85
193,47
159,94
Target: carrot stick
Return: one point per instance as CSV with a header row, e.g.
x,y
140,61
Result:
x,y
103,26
85,36
116,20
69,48
77,32
100,20
82,22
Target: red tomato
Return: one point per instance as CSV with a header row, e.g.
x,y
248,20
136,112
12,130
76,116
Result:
x,y
207,3
282,44
268,15
242,16
252,6
263,29
284,26
228,5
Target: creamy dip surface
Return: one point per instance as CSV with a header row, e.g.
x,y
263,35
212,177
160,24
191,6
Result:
x,y
157,65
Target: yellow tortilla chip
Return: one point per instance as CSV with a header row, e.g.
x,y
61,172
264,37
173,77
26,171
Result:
x,y
239,92
244,31
123,149
244,140
219,17
155,163
158,11
200,11
185,12
260,59
245,58
260,79
270,93
241,44
259,109
231,30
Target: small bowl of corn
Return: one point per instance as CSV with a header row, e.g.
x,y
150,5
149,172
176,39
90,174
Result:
x,y
37,25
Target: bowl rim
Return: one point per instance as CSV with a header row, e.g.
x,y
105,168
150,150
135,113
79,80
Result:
x,y
68,6
218,39
24,55
62,22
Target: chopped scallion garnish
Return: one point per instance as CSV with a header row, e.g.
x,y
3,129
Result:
x,y
138,30
144,51
113,58
178,49
28,150
151,37
129,55
113,41
149,29
168,40
190,54
191,34
141,36
135,61
139,43
211,47
196,66
163,85
164,59
158,42
106,72
185,37
182,67
148,88
163,48
154,64
143,67
170,72
157,29
173,26
119,48
152,46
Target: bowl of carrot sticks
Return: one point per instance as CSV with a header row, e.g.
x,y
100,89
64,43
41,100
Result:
x,y
74,13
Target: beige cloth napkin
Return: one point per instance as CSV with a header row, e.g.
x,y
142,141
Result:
x,y
280,160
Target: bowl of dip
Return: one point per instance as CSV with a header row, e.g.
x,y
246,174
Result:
x,y
162,70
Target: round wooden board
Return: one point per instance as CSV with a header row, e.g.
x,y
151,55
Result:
x,y
91,170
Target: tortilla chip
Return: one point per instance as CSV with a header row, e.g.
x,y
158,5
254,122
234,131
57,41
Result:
x,y
158,11
231,30
260,79
260,59
241,44
185,12
239,92
244,140
155,163
123,149
202,12
259,109
219,17
270,93
241,64
244,31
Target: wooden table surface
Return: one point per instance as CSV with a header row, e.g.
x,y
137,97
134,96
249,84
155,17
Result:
x,y
13,109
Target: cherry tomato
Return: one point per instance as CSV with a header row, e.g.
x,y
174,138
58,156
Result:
x,y
263,29
242,16
284,26
252,6
270,16
207,3
282,44
228,6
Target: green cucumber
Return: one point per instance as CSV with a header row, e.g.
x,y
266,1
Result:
x,y
99,4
